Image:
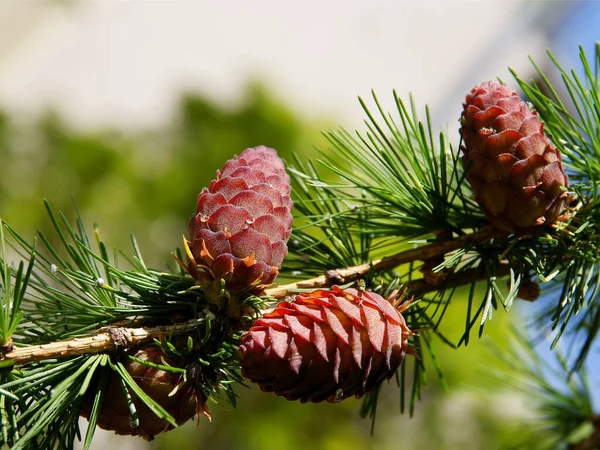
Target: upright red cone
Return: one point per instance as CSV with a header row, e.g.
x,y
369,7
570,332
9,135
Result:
x,y
243,222
515,171
325,345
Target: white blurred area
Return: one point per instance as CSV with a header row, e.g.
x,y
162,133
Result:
x,y
123,62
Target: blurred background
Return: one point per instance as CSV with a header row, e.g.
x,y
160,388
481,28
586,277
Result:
x,y
128,107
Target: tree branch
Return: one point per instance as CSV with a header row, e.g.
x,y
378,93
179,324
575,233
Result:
x,y
420,286
118,337
349,274
112,339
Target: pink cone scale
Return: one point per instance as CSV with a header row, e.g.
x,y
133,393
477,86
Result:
x,y
514,169
242,222
326,345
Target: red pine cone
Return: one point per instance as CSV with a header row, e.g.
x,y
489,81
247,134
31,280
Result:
x,y
325,345
243,222
515,171
158,384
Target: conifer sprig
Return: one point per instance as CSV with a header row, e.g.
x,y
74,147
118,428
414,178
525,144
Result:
x,y
561,400
407,178
71,302
13,291
386,209
571,258
395,189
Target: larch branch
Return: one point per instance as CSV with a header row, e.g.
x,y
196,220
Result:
x,y
107,340
349,274
113,338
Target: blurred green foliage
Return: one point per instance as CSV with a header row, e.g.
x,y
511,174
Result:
x,y
143,182
146,183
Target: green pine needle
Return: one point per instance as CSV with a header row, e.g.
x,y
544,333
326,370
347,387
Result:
x,y
562,400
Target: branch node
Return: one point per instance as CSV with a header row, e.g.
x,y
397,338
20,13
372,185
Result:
x,y
334,277
8,347
119,337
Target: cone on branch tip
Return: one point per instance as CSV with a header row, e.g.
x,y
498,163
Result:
x,y
242,223
178,396
326,345
514,169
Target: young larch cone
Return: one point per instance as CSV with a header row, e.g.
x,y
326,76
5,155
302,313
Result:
x,y
243,222
514,169
182,403
325,345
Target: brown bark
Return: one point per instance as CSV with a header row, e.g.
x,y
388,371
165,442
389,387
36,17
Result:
x,y
107,340
420,287
349,274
